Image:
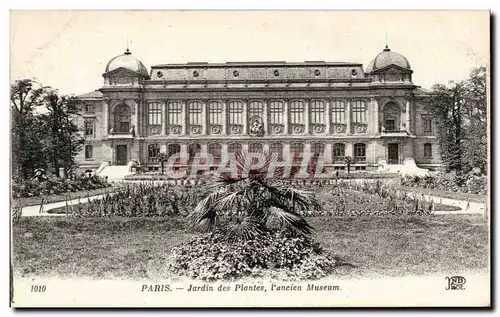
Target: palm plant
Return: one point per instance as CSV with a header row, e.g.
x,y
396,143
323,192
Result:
x,y
162,158
239,206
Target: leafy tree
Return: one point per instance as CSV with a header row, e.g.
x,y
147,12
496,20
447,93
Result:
x,y
239,207
461,109
62,141
25,96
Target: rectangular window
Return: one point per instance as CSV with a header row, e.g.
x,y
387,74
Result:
x,y
154,113
234,147
296,148
338,111
215,113
276,148
255,148
297,112
359,111
317,112
276,111
89,108
318,148
338,151
427,150
360,152
235,112
88,152
174,113
173,149
153,151
427,122
89,128
194,113
255,108
390,125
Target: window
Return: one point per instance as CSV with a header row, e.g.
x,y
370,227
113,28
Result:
x,y
154,113
215,113
359,111
427,150
276,148
360,152
318,149
360,168
317,112
255,108
153,151
215,149
89,108
390,124
427,122
89,128
122,119
194,113
276,111
88,152
235,112
173,149
234,147
174,109
297,112
296,148
193,149
338,111
255,148
338,151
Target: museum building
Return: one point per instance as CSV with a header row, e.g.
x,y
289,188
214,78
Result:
x,y
377,115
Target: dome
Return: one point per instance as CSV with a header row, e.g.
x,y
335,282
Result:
x,y
386,58
127,61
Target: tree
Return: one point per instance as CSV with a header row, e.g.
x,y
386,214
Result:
x,y
348,160
62,141
240,207
162,158
25,96
461,110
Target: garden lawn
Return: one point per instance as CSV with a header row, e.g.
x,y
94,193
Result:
x,y
136,248
477,198
36,200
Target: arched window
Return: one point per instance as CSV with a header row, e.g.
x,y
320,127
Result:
x,y
215,113
276,147
360,152
154,113
338,152
276,112
297,112
193,149
89,152
174,110
234,148
359,111
153,151
194,113
255,108
215,149
173,149
235,112
317,112
122,119
338,111
255,147
428,150
317,149
296,149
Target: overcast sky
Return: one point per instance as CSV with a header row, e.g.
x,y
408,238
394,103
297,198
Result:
x,y
69,50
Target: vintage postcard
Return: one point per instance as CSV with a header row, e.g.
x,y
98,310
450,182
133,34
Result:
x,y
250,158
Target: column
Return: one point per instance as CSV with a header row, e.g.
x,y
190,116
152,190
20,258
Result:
x,y
307,117
348,117
245,117
285,118
184,153
265,123
244,146
408,116
348,149
136,118
106,118
225,130
223,152
265,146
163,117
183,118
376,128
286,150
203,117
328,153
326,117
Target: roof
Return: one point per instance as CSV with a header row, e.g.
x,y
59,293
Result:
x,y
387,58
255,63
96,94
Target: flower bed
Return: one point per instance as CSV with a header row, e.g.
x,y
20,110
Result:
x,y
55,186
449,182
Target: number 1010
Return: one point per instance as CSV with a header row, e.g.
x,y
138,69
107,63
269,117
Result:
x,y
38,288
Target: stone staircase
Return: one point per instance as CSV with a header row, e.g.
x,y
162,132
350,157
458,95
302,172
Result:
x,y
115,172
408,168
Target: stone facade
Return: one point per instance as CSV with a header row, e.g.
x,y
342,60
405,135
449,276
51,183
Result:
x,y
378,116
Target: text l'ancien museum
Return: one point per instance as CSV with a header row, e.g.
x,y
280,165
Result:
x,y
375,115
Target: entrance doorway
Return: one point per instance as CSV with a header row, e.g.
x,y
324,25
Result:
x,y
393,153
121,155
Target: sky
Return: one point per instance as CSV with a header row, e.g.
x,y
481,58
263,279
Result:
x,y
69,50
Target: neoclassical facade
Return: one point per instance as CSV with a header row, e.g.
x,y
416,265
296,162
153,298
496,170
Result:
x,y
377,115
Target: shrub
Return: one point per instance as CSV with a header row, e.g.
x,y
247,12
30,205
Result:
x,y
55,186
462,183
272,254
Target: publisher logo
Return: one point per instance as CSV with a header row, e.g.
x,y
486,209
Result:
x,y
455,283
